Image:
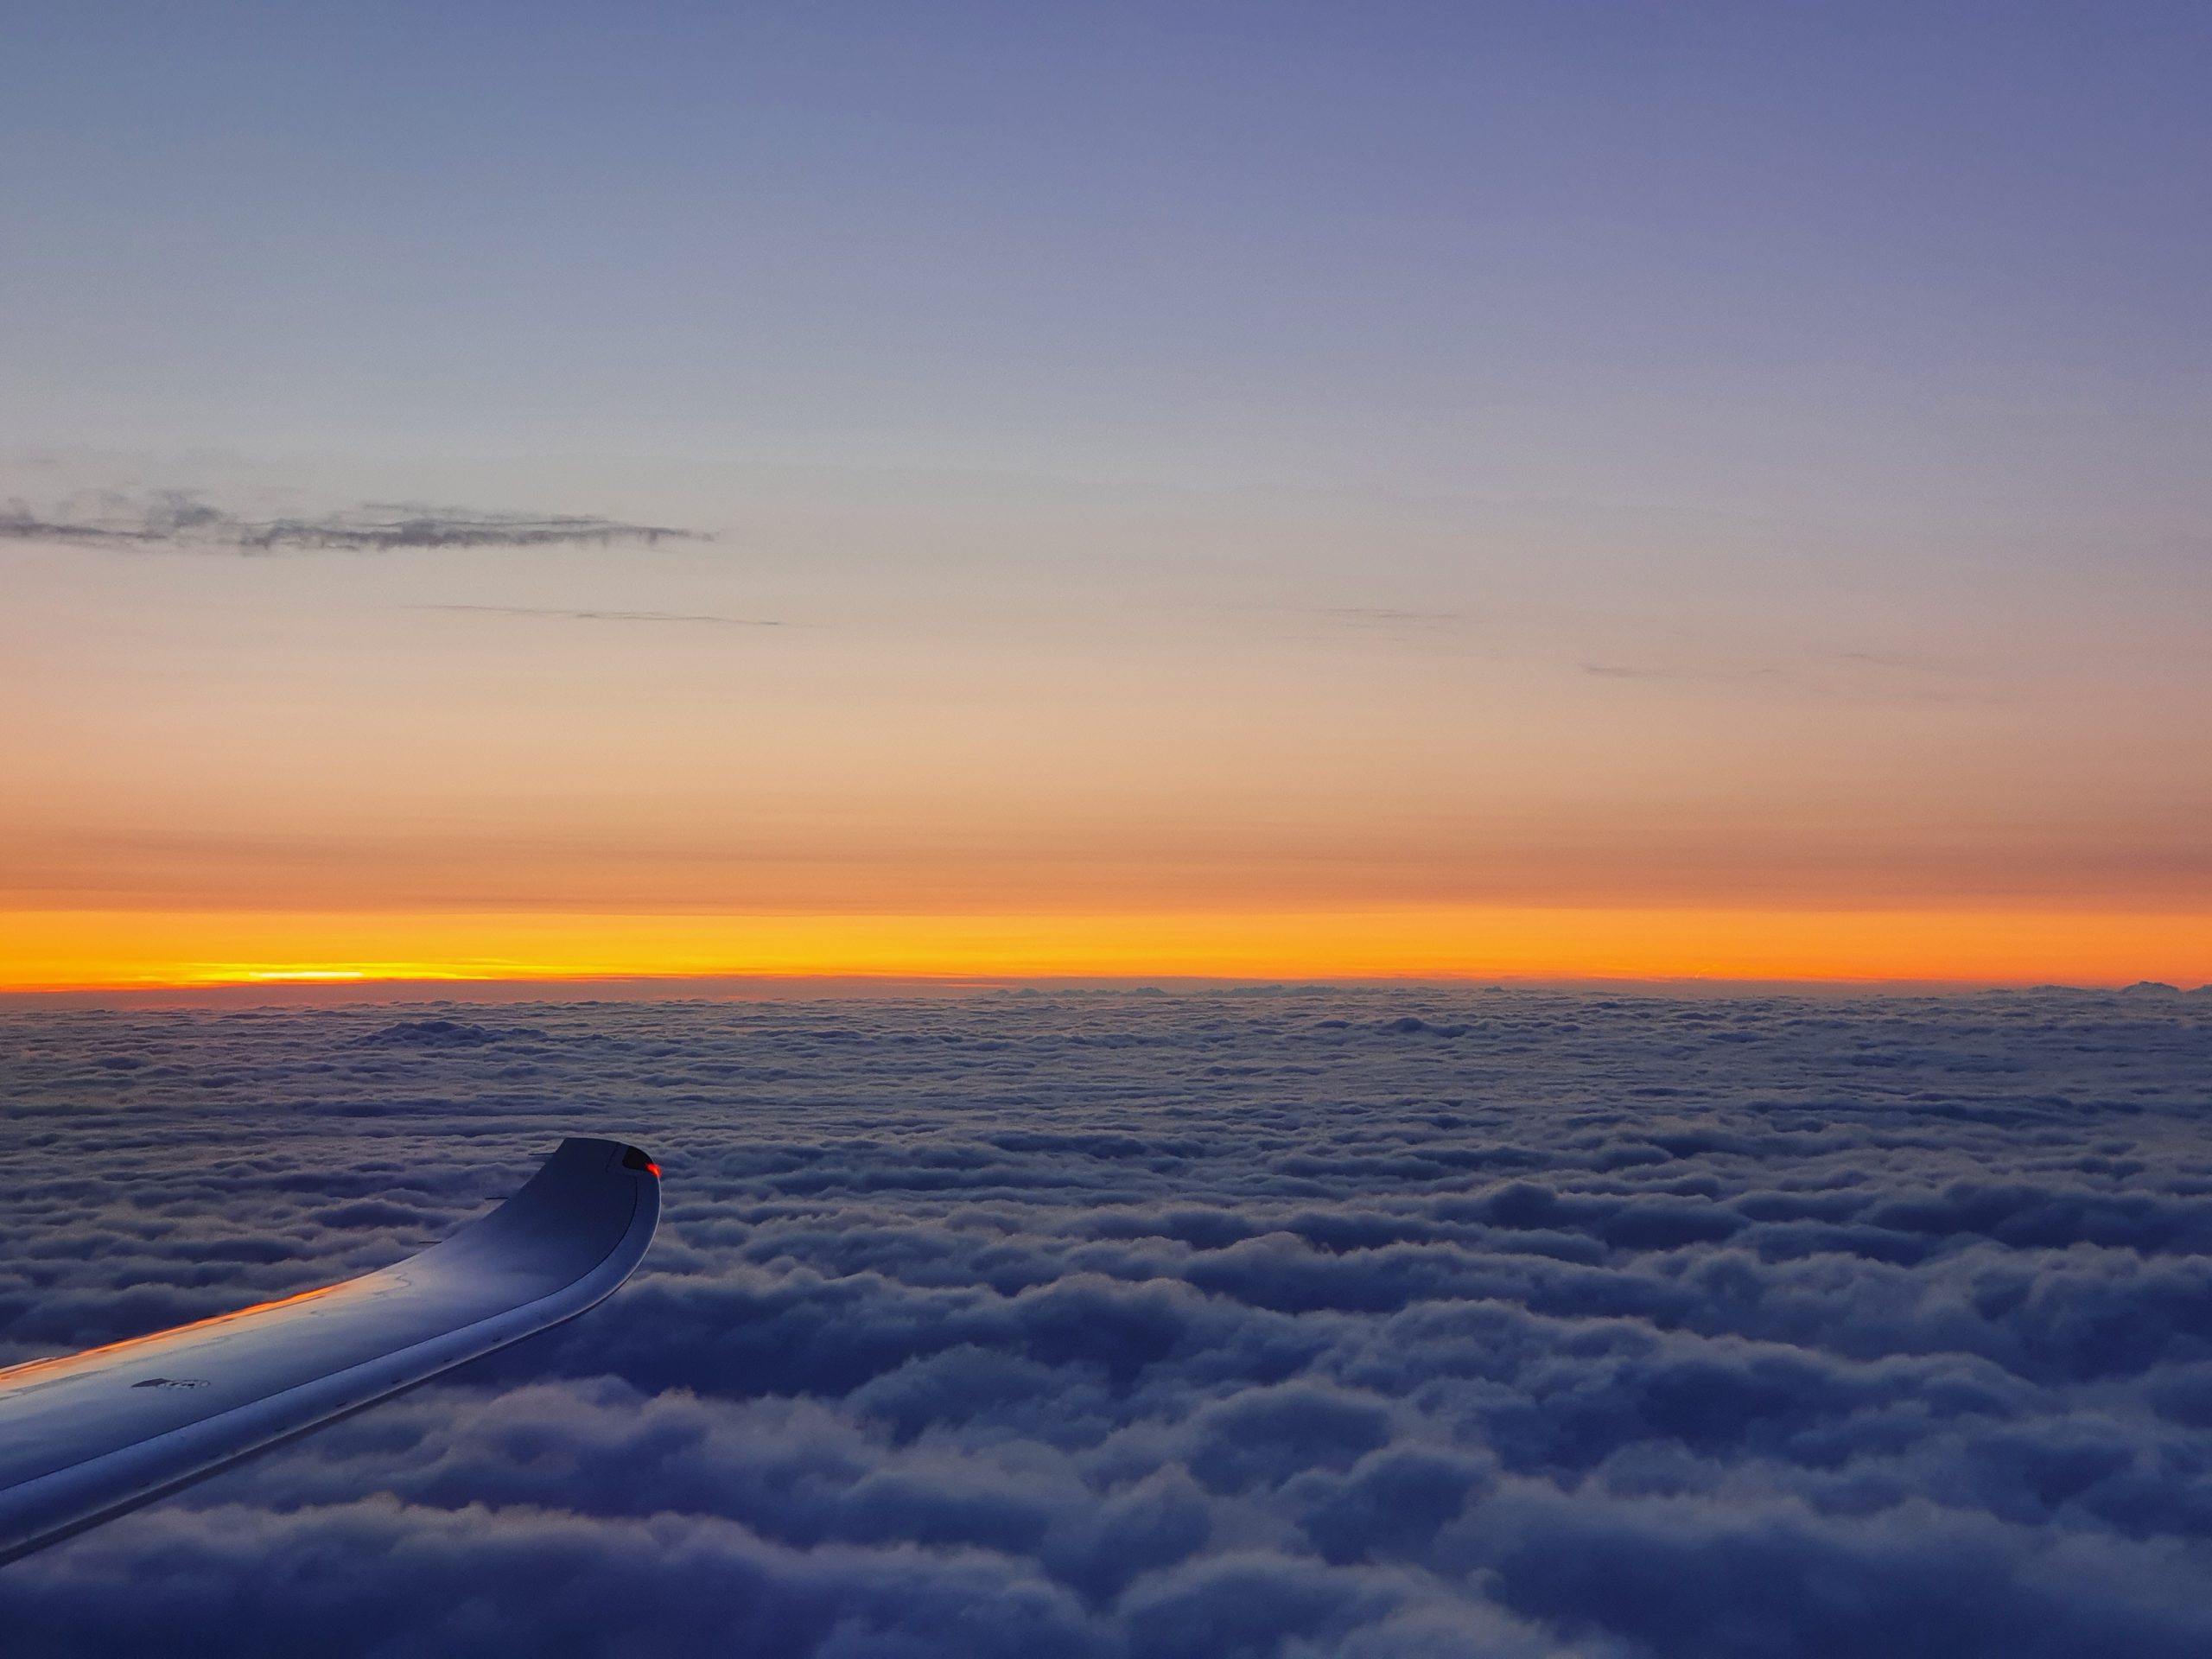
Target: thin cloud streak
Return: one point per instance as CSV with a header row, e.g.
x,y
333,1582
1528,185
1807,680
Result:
x,y
1898,679
1391,616
564,614
1637,672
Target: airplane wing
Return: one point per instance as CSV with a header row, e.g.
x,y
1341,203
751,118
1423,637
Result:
x,y
86,1436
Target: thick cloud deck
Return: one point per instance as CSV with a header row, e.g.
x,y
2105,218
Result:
x,y
1404,1324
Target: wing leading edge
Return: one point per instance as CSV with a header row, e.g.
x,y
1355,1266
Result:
x,y
87,1436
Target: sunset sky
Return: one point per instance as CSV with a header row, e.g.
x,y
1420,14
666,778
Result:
x,y
1269,490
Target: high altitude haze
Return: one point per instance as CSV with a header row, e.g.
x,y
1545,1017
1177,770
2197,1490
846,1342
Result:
x,y
1269,489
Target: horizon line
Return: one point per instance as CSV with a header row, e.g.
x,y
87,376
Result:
x,y
333,990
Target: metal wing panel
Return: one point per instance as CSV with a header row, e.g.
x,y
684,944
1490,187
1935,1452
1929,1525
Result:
x,y
85,1436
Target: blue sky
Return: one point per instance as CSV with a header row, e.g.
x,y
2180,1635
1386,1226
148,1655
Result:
x,y
1746,256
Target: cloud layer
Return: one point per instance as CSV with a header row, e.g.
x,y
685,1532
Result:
x,y
1398,1324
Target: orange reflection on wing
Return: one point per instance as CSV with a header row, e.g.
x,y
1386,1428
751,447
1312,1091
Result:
x,y
14,1374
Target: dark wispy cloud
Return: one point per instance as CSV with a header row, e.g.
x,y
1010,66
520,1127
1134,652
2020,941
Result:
x,y
1387,1324
180,519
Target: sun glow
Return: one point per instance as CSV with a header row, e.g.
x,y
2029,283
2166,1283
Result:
x,y
104,948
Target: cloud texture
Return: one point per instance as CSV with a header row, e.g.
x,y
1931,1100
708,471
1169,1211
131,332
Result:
x,y
1393,1325
182,519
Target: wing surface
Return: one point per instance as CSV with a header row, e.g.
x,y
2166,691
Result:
x,y
85,1436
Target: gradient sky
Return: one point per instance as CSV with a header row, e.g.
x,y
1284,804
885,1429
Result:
x,y
1271,488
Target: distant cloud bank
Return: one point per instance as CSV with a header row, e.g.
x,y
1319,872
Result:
x,y
1388,1326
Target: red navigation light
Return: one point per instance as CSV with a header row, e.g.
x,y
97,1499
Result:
x,y
653,1169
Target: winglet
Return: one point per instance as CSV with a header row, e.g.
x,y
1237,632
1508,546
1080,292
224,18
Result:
x,y
86,1436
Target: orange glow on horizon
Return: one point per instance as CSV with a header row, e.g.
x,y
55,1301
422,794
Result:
x,y
1182,756
117,950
